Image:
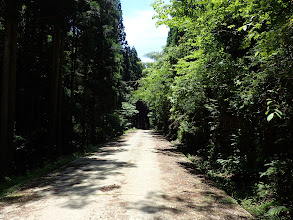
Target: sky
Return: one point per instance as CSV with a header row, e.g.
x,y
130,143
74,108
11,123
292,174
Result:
x,y
140,28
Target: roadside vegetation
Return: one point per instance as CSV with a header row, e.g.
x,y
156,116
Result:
x,y
12,184
223,87
66,77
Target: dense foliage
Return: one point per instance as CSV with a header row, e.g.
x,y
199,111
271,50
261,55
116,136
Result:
x,y
223,86
64,79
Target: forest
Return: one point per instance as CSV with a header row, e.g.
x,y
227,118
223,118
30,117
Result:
x,y
221,89
66,77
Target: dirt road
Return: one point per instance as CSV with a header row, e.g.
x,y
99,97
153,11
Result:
x,y
138,177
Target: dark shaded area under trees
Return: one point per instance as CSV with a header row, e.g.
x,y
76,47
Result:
x,y
65,67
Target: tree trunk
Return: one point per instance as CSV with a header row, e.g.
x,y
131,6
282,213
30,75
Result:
x,y
60,97
74,58
55,80
85,109
8,83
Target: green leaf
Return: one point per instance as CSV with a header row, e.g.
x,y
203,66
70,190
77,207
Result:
x,y
278,111
270,117
275,211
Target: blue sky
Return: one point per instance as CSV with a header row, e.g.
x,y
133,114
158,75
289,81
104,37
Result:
x,y
140,28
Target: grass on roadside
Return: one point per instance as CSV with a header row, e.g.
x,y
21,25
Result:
x,y
15,183
254,199
129,130
12,184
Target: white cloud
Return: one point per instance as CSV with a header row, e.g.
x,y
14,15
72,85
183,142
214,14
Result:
x,y
142,33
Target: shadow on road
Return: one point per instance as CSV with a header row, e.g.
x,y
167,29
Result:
x,y
210,199
95,175
150,206
180,205
78,180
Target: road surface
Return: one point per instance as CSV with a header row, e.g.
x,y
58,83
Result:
x,y
137,177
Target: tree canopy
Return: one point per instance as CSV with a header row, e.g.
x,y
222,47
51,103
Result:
x,y
64,79
223,87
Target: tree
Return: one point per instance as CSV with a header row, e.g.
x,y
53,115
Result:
x,y
69,74
223,84
8,88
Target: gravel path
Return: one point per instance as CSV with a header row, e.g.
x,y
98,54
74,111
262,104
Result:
x,y
137,177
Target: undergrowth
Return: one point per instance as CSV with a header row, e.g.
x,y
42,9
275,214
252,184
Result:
x,y
14,183
261,199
